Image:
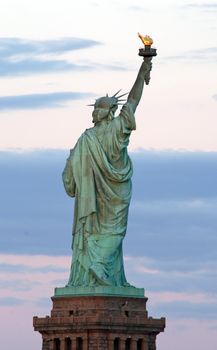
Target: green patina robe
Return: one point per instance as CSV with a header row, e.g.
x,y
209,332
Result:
x,y
98,174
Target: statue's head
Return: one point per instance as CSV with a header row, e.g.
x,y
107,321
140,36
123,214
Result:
x,y
105,107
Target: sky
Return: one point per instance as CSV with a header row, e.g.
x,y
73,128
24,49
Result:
x,y
55,59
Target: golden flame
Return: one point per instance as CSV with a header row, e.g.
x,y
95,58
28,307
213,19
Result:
x,y
147,40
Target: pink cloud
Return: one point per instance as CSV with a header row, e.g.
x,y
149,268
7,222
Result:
x,y
17,319
188,334
178,296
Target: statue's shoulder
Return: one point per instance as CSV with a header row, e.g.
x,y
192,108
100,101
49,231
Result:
x,y
89,131
127,108
87,134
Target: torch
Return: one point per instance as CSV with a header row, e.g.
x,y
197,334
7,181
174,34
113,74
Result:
x,y
147,50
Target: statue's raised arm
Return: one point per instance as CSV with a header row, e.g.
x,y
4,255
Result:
x,y
147,52
142,77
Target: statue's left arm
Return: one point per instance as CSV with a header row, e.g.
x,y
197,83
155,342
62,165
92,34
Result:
x,y
68,177
142,77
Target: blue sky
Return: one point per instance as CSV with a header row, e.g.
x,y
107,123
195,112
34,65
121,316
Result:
x,y
55,59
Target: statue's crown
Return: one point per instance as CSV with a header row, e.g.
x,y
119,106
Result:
x,y
109,102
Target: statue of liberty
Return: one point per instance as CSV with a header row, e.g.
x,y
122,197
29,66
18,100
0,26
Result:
x,y
98,174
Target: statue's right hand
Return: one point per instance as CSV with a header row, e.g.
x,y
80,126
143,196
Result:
x,y
147,59
148,67
147,64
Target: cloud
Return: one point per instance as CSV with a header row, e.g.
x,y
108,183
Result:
x,y
21,57
165,297
113,67
187,207
18,285
38,261
174,175
11,301
215,97
172,214
43,303
187,310
22,67
202,6
10,68
172,293
31,278
137,8
14,47
11,268
206,54
158,275
36,101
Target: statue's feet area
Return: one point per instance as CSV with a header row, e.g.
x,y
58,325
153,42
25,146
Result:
x,y
100,276
104,290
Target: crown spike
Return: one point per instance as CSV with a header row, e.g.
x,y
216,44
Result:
x,y
123,95
116,93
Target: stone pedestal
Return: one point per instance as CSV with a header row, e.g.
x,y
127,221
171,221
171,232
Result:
x,y
98,323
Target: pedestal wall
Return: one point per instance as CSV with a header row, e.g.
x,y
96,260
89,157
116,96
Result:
x,y
98,323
